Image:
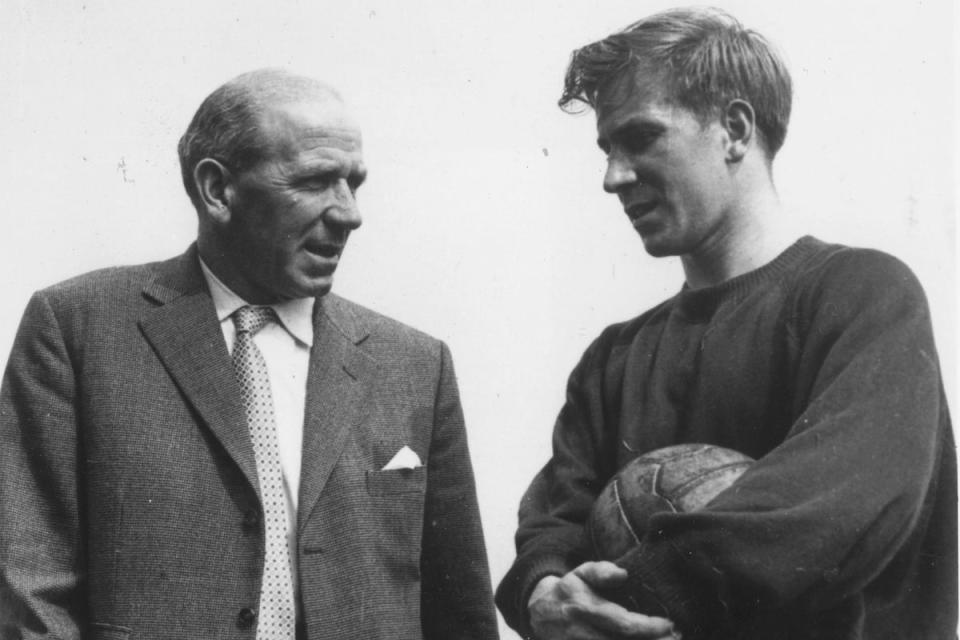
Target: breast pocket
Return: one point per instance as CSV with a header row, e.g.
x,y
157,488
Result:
x,y
397,482
397,499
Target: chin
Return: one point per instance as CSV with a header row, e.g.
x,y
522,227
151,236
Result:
x,y
314,291
657,251
657,247
295,288
315,288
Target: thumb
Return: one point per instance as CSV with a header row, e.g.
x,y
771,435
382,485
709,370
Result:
x,y
602,574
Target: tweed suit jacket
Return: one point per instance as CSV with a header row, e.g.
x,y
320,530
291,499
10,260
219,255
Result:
x,y
129,502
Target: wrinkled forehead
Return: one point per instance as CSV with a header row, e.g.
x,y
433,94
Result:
x,y
323,123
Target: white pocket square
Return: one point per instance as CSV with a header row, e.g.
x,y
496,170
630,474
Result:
x,y
406,458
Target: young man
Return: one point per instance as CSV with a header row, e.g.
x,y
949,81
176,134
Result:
x,y
817,360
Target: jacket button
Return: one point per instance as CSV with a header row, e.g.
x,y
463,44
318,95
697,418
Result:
x,y
250,519
246,618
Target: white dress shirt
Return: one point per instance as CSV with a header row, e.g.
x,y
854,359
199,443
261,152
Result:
x,y
286,349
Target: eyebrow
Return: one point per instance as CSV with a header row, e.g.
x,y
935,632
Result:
x,y
633,126
355,174
325,166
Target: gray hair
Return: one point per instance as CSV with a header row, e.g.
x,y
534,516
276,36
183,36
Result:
x,y
227,126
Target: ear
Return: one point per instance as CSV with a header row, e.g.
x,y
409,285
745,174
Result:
x,y
214,184
739,121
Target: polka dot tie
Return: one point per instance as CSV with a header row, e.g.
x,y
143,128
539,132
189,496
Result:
x,y
276,619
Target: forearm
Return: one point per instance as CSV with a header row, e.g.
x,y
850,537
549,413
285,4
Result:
x,y
550,535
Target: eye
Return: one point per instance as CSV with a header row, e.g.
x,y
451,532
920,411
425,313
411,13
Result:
x,y
639,141
318,182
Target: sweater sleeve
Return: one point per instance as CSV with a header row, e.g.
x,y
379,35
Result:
x,y
842,502
550,538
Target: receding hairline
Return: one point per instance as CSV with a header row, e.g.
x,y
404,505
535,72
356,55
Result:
x,y
272,86
227,125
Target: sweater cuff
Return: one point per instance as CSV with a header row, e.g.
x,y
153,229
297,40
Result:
x,y
661,582
513,594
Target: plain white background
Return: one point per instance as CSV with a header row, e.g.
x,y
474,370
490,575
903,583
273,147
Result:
x,y
485,223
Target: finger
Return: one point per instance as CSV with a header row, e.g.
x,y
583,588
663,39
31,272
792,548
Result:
x,y
611,617
570,628
586,633
601,574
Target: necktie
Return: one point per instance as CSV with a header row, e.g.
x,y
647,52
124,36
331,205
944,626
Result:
x,y
277,617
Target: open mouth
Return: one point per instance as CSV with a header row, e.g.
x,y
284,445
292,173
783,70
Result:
x,y
637,210
324,250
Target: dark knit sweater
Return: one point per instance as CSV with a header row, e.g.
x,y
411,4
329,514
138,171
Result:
x,y
820,365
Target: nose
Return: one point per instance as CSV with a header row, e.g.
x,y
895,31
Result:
x,y
343,211
619,173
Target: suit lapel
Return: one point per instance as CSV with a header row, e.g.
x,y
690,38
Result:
x,y
185,333
339,383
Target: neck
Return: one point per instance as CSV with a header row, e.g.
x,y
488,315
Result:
x,y
755,233
218,261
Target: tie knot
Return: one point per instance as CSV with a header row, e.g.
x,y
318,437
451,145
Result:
x,y
252,319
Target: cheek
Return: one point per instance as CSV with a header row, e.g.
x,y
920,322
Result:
x,y
276,229
698,184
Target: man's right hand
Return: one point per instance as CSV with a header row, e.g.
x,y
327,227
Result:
x,y
569,608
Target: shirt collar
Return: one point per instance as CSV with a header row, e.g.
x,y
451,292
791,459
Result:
x,y
296,316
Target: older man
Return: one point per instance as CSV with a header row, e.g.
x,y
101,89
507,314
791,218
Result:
x,y
216,446
815,359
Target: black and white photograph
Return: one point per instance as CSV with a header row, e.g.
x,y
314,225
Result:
x,y
541,320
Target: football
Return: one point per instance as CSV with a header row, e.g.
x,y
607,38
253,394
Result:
x,y
680,478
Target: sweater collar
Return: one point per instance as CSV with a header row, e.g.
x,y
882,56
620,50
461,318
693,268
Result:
x,y
698,303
